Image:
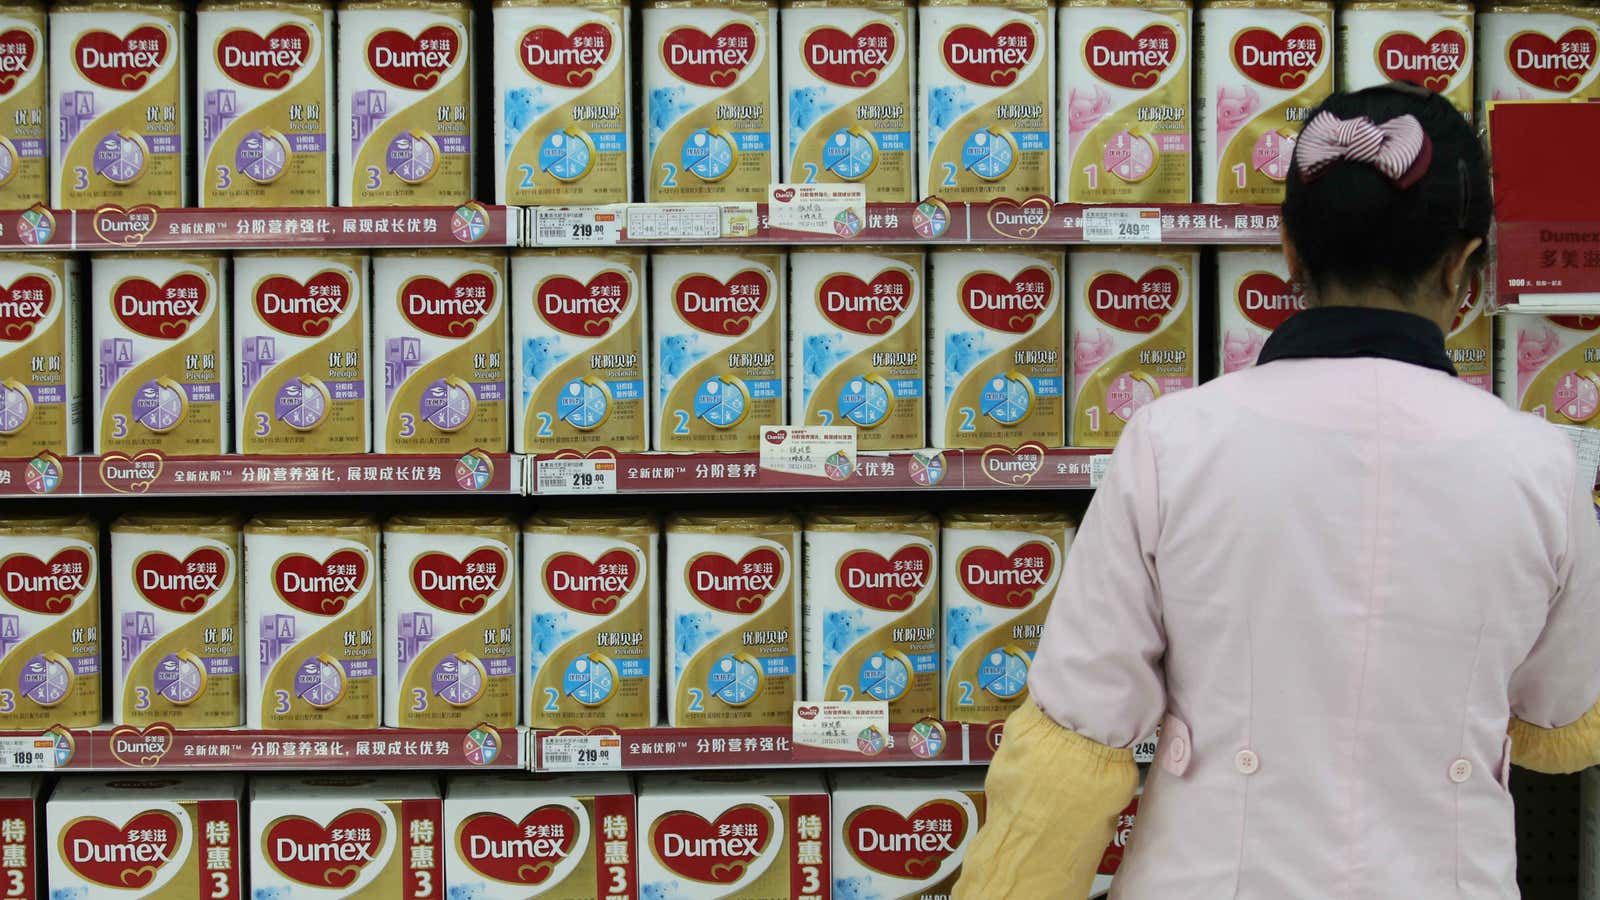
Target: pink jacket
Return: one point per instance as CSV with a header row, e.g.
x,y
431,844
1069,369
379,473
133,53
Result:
x,y
1333,616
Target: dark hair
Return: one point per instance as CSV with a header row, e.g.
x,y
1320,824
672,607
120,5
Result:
x,y
1354,228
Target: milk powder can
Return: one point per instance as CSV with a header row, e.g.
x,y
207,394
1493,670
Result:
x,y
41,388
406,94
857,343
1470,340
1254,296
1549,365
734,835
24,139
733,618
439,347
1263,65
175,599
848,91
872,609
582,350
1135,336
903,834
172,837
986,99
1537,51
324,837
265,101
592,619
161,348
301,342
563,102
1125,101
311,600
711,99
996,362
119,88
999,569
720,348
516,836
450,621
1423,42
49,622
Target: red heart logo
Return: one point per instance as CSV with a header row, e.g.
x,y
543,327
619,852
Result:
x,y
1130,305
17,52
991,60
739,587
320,588
566,60
45,587
709,60
913,846
1268,300
1013,467
583,309
887,584
525,852
725,308
302,308
1020,221
1281,63
1111,860
329,856
593,588
1576,323
852,60
162,311
783,195
1432,63
128,857
413,63
142,748
125,227
120,63
775,436
1006,580
265,63
180,586
461,586
24,305
1011,305
1554,65
712,852
131,474
1134,62
865,307
447,310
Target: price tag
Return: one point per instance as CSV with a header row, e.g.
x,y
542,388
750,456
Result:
x,y
20,753
1098,467
581,752
830,210
590,475
655,222
859,726
817,452
1121,225
1587,442
577,226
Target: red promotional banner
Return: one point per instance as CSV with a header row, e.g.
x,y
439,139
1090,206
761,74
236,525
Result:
x,y
1547,233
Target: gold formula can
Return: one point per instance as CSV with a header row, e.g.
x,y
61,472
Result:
x,y
49,622
24,134
41,321
1537,51
1423,42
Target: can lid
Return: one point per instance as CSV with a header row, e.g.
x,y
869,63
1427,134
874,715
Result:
x,y
733,520
1009,517
464,6
580,521
840,518
175,523
49,523
450,523
312,523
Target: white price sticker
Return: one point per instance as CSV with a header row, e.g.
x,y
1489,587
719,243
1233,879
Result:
x,y
581,752
815,451
577,226
831,210
858,726
1587,443
20,753
656,222
590,475
1098,467
1121,225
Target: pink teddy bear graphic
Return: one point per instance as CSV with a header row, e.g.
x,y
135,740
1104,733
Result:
x,y
1533,351
1088,352
1235,105
1240,349
1084,109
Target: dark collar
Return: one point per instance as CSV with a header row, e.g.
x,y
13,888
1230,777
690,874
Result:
x,y
1350,331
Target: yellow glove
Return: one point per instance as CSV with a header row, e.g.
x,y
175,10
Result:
x,y
1554,751
1052,798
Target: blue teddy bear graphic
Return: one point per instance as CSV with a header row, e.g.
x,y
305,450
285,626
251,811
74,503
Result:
x,y
840,629
667,105
675,353
854,889
962,351
962,625
540,355
524,105
550,630
806,106
659,890
467,891
273,893
946,104
691,632
822,353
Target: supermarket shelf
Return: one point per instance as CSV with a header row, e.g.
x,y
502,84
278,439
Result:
x,y
928,742
151,228
983,741
162,747
151,474
994,468
1035,220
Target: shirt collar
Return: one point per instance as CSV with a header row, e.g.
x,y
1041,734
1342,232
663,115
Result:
x,y
1344,332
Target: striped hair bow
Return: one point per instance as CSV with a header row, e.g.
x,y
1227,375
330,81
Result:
x,y
1398,148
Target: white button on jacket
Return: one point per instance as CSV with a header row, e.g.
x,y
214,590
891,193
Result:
x,y
1337,579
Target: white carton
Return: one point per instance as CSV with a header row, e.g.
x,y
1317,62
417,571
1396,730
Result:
x,y
903,834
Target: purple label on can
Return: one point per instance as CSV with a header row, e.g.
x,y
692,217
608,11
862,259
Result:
x,y
158,405
446,404
499,667
30,148
119,157
308,143
261,157
489,390
301,404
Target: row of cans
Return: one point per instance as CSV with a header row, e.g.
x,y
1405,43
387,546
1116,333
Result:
x,y
433,622
967,101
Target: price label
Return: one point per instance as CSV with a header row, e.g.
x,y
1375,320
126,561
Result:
x,y
577,226
813,451
1586,441
1098,467
1121,225
576,476
857,726
678,222
27,754
831,210
581,752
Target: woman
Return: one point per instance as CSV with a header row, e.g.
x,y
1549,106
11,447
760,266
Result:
x,y
1334,580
